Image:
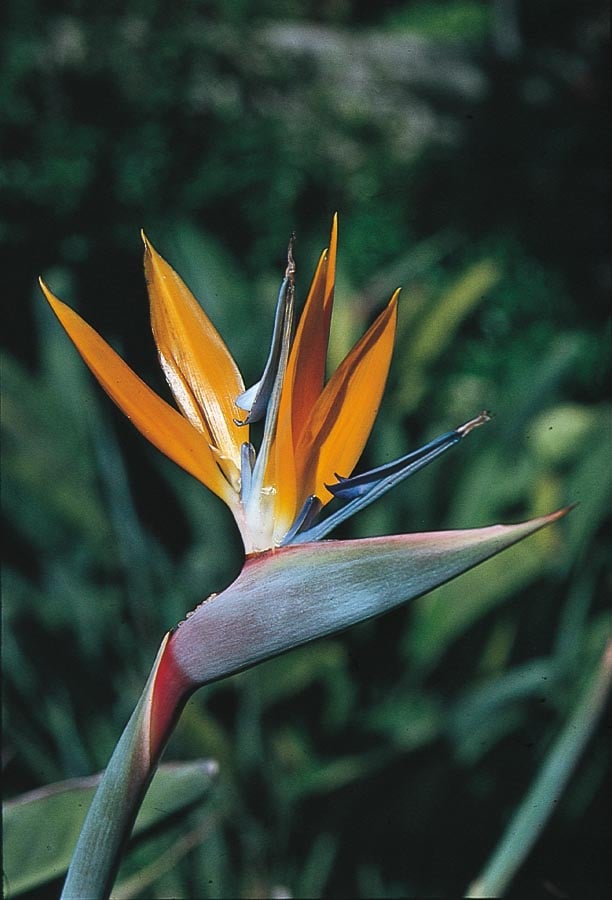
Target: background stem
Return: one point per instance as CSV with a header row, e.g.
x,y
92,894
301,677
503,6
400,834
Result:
x,y
531,816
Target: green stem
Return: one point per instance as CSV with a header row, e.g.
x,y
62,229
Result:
x,y
531,816
125,781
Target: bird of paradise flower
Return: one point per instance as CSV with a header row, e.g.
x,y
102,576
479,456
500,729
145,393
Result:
x,y
294,587
313,430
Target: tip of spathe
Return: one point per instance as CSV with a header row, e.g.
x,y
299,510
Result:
x,y
559,513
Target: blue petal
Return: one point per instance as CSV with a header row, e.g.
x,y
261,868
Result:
x,y
247,462
359,485
361,490
256,398
304,519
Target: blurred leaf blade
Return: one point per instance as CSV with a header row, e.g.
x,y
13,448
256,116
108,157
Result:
x,y
41,828
531,815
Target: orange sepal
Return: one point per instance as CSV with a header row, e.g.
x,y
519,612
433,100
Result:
x,y
162,425
304,379
340,423
199,368
306,368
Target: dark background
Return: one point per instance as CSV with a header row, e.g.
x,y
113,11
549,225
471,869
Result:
x,y
464,146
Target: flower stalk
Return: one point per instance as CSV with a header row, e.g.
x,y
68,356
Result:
x,y
124,784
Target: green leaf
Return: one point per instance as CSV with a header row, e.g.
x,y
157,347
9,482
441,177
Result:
x,y
41,828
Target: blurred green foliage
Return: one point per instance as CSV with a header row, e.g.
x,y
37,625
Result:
x,y
463,144
54,816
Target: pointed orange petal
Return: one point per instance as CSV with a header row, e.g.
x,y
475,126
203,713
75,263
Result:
x,y
199,368
339,425
281,467
153,417
309,352
304,378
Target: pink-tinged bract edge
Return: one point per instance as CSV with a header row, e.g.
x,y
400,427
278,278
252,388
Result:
x,y
287,597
